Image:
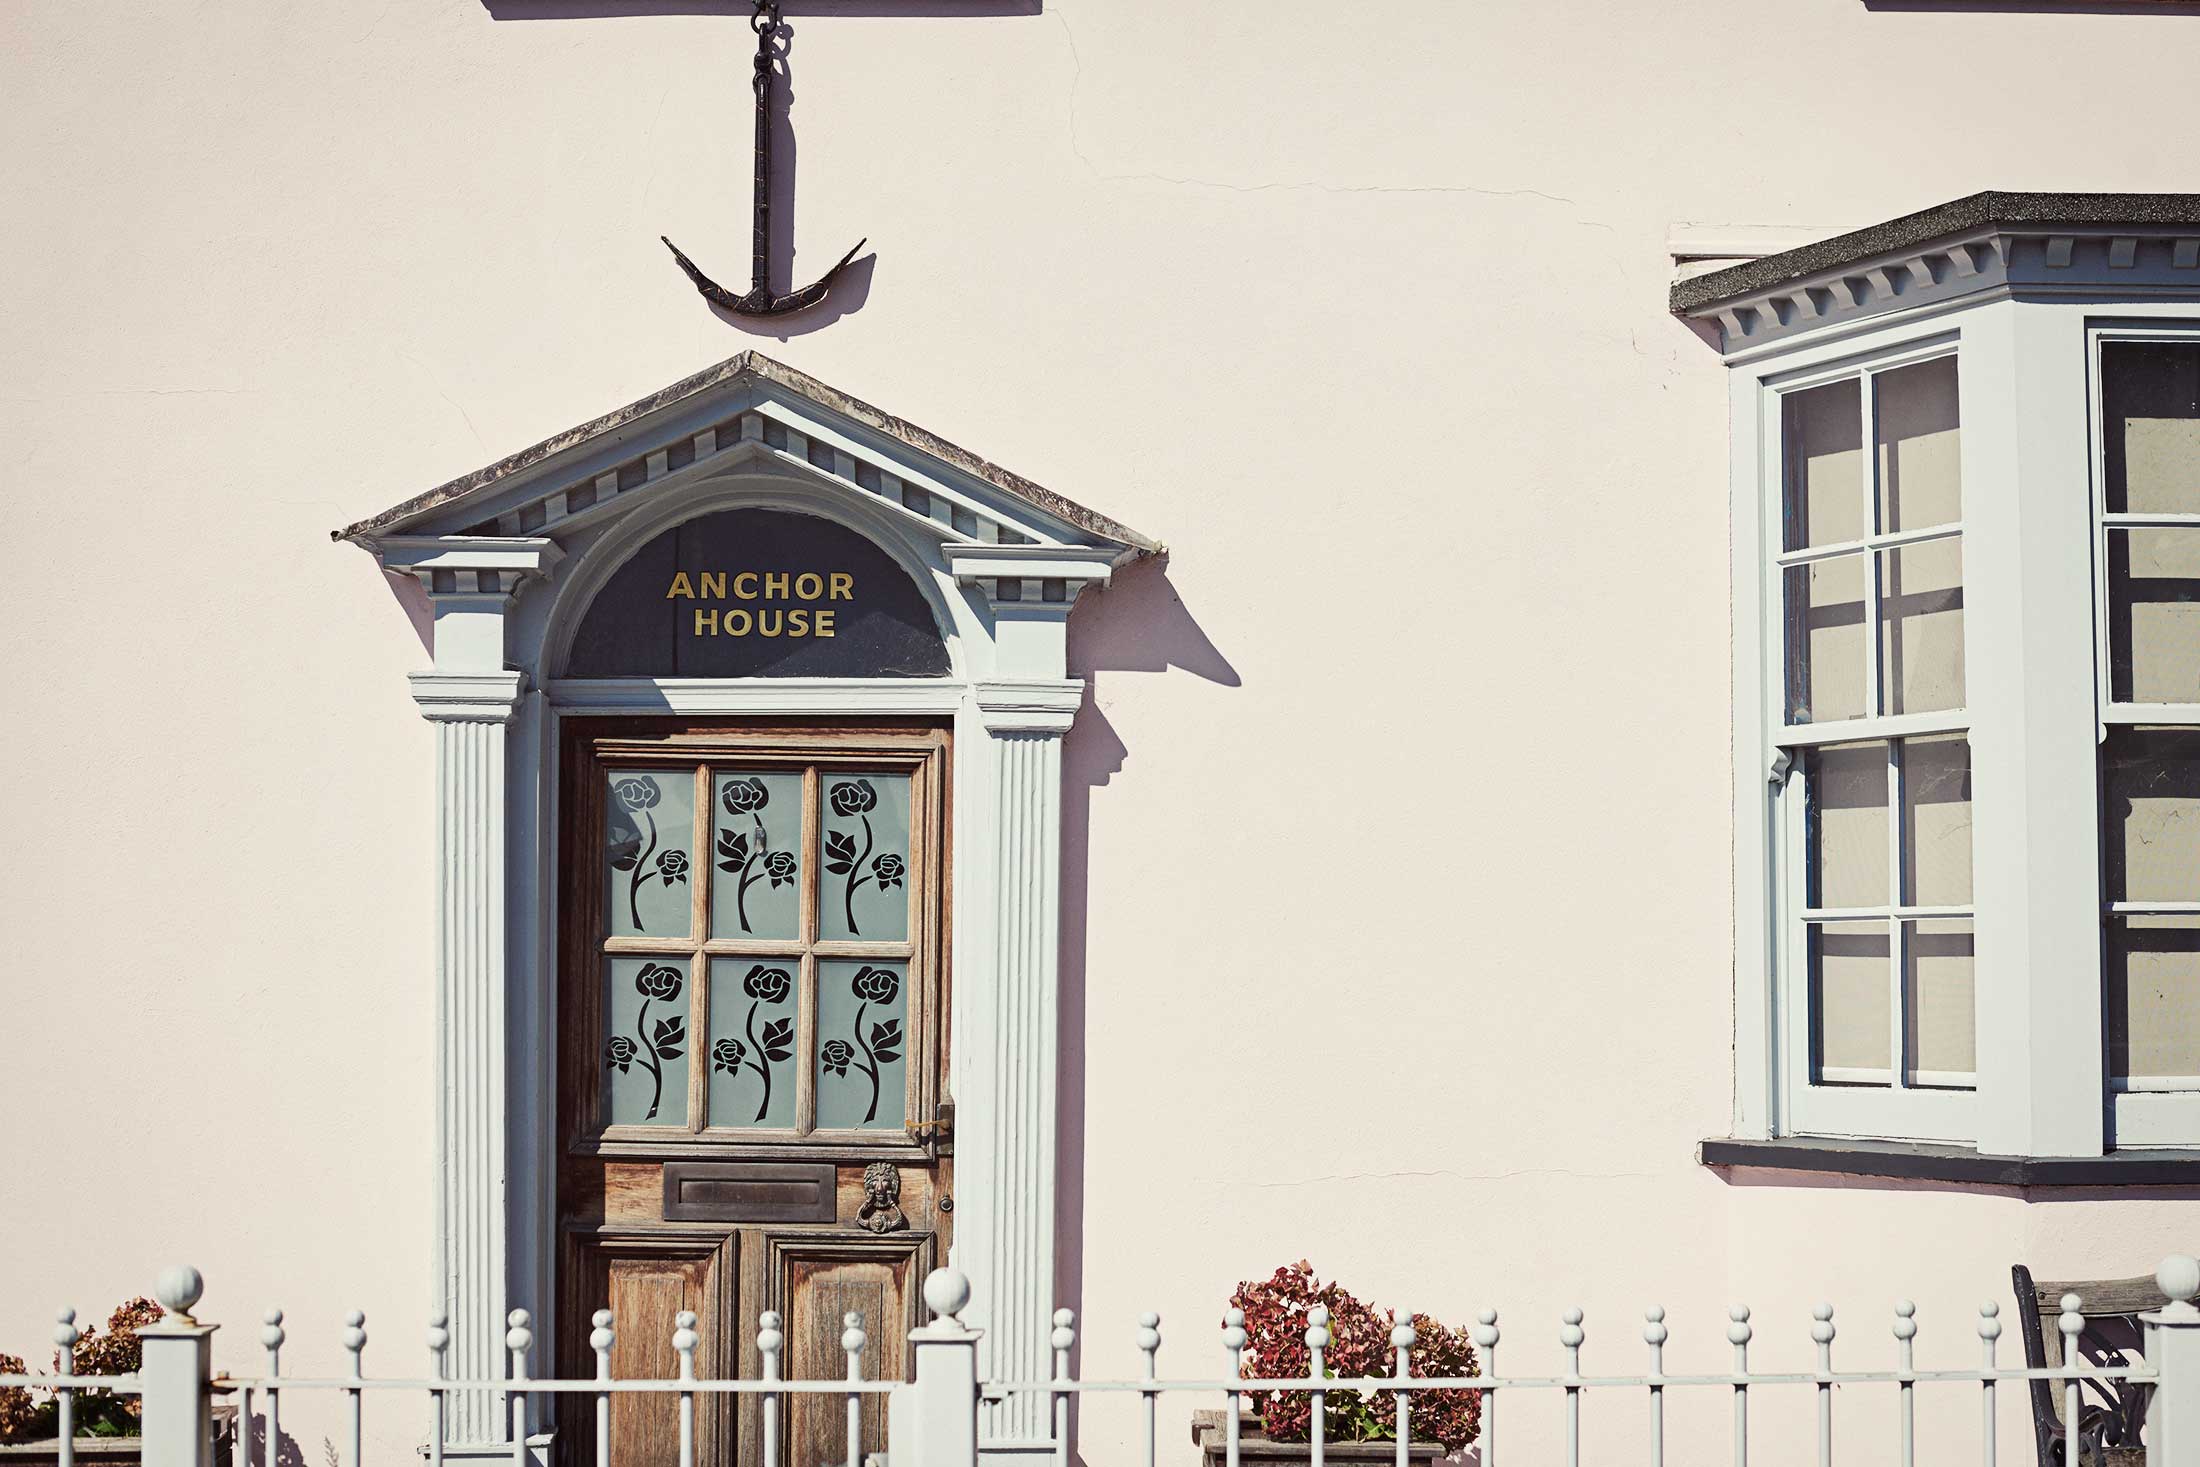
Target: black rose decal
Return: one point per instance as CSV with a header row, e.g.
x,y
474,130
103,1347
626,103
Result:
x,y
837,1055
887,870
767,985
779,866
727,1055
745,796
672,866
638,792
657,981
620,1053
855,797
876,985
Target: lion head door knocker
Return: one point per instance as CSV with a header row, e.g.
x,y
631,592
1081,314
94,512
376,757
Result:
x,y
881,1210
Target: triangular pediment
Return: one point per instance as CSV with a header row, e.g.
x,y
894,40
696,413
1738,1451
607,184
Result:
x,y
751,408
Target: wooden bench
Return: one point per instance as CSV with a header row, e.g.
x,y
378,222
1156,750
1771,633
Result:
x,y
2111,1414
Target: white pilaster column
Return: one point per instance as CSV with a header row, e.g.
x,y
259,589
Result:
x,y
470,697
1011,1124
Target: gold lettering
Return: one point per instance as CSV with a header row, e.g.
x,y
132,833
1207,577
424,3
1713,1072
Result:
x,y
798,623
808,586
775,585
767,622
824,623
679,587
744,585
737,614
714,585
844,587
706,623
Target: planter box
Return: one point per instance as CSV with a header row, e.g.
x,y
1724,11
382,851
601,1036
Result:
x,y
1208,1432
113,1451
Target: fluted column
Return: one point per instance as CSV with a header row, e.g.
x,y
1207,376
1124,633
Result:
x,y
1009,1128
470,712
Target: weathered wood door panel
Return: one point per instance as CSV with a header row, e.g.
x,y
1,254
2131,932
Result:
x,y
753,990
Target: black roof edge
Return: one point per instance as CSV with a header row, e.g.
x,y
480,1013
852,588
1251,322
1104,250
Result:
x,y
1959,216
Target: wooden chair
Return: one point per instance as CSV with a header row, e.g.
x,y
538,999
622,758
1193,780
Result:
x,y
2111,1414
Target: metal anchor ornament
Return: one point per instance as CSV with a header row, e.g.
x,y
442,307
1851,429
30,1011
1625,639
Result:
x,y
759,300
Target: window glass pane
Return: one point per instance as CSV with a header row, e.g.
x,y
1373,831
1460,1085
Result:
x,y
1936,821
862,1044
2154,615
2150,394
1847,786
1937,1024
649,825
1919,458
645,1012
1823,434
752,1041
1826,643
757,848
1921,627
863,890
1848,1002
2151,785
2154,996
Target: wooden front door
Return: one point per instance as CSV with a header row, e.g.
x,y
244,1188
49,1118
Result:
x,y
753,996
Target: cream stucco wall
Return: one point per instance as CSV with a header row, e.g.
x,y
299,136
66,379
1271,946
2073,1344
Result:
x,y
1398,921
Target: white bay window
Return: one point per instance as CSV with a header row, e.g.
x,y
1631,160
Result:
x,y
1966,498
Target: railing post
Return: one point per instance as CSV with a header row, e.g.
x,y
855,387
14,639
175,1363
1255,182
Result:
x,y
933,1422
2173,1349
174,1370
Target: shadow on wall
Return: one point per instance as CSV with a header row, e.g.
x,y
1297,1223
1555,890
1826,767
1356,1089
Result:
x,y
287,1451
726,261
1137,624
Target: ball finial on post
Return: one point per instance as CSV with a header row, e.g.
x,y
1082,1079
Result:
x,y
179,1288
947,1293
2179,1278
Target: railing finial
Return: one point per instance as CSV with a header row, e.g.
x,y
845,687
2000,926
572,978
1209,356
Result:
x,y
947,1293
2179,1278
179,1288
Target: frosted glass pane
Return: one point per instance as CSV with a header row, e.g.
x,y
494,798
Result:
x,y
756,845
1921,627
1939,1028
2154,996
1826,642
2151,786
645,1013
1848,825
1849,998
2151,393
2154,615
752,1041
649,825
1936,821
863,890
1919,448
1823,431
862,1044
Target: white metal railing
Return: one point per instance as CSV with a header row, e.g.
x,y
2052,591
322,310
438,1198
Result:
x,y
932,1418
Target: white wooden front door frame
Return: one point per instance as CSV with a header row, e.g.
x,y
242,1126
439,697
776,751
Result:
x,y
498,701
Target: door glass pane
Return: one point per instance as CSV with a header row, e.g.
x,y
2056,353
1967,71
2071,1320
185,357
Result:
x,y
1847,814
2154,615
1848,1002
649,828
1921,626
757,848
2151,785
645,1059
1823,433
2151,395
1919,458
752,1041
862,1044
1936,821
1939,1030
863,889
2154,996
1826,642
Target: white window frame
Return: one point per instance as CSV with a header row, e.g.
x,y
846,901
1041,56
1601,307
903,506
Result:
x,y
2150,1110
1886,1104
